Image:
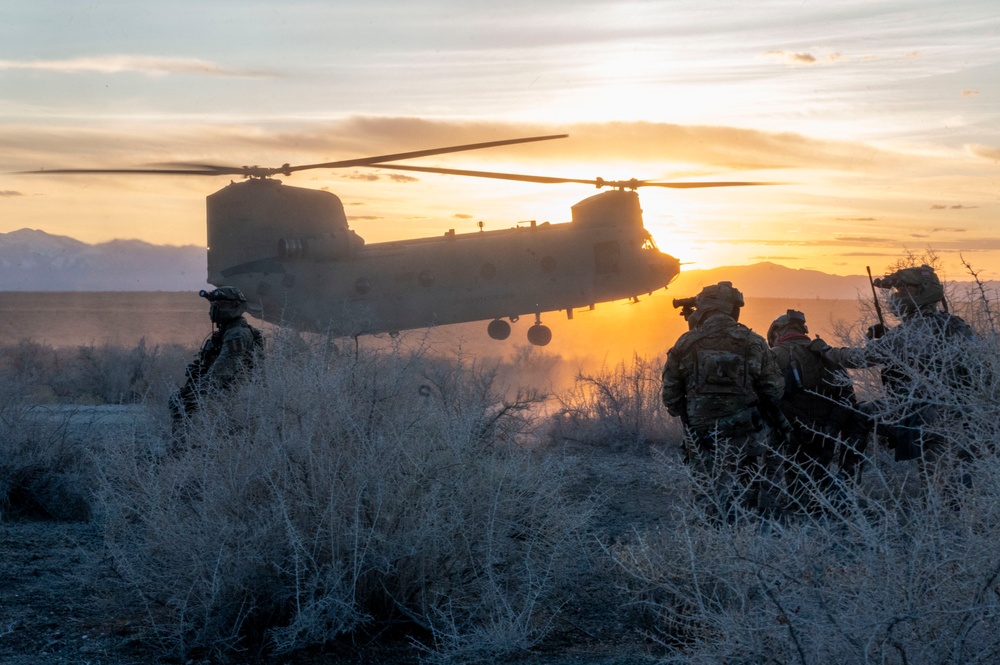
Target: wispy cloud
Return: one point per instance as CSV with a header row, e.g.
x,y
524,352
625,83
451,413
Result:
x,y
139,64
989,152
645,150
9,192
794,58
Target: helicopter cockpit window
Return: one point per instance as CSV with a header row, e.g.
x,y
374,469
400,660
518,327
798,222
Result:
x,y
649,243
607,257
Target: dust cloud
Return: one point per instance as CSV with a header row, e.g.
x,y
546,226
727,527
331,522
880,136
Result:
x,y
604,337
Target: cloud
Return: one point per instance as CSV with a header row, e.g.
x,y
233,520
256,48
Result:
x,y
705,150
863,240
989,152
460,215
140,64
970,93
948,229
795,58
399,177
857,219
9,192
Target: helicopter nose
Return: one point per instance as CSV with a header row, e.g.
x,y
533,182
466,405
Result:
x,y
665,267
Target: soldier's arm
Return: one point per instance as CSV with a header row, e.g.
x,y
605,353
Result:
x,y
236,343
849,357
770,383
673,387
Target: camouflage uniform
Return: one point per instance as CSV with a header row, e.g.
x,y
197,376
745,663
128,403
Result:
x,y
230,352
918,358
715,379
828,427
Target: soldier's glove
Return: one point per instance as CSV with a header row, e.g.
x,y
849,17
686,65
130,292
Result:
x,y
819,346
876,331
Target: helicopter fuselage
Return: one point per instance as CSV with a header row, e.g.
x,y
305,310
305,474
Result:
x,y
292,254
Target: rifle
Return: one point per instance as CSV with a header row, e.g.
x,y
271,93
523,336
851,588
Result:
x,y
873,332
193,388
776,420
900,436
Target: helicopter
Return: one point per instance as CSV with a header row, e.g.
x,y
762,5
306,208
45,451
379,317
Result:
x,y
292,253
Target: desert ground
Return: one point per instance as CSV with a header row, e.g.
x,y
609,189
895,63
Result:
x,y
61,602
519,509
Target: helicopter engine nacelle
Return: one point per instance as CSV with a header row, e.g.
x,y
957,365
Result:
x,y
614,208
334,246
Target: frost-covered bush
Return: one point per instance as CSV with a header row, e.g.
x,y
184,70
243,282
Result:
x,y
334,494
898,567
618,406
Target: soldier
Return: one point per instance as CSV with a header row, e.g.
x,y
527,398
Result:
x,y
722,381
922,361
827,425
227,354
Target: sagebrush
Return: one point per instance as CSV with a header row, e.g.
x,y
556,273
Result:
x,y
331,494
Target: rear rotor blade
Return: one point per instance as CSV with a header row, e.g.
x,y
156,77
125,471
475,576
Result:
x,y
483,174
597,182
710,183
366,161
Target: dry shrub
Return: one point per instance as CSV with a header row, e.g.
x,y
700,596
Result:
x,y
92,374
337,494
618,406
901,567
888,580
47,445
110,374
45,469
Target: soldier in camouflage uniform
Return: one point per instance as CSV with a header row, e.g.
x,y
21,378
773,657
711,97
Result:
x,y
721,380
229,353
921,359
829,431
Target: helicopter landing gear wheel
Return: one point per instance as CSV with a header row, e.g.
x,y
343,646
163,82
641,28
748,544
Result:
x,y
539,335
498,329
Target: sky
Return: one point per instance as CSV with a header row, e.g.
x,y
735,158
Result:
x,y
880,119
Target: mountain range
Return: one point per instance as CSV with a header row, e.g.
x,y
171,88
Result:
x,y
33,260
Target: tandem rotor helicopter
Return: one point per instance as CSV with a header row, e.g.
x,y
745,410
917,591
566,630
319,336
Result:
x,y
291,252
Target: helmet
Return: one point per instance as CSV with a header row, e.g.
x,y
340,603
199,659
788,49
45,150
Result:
x,y
914,289
792,321
722,297
223,293
227,304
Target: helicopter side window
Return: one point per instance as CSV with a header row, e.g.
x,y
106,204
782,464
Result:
x,y
607,258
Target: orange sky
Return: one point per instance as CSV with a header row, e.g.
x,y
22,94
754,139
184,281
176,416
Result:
x,y
880,117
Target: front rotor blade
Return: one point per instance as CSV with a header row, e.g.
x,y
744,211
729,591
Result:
x,y
285,169
188,171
